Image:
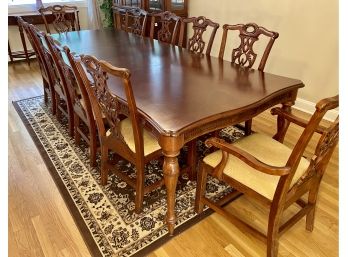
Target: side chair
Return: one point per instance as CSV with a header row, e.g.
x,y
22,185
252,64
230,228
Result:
x,y
65,18
244,54
64,92
264,168
126,137
164,27
130,19
47,80
84,122
196,43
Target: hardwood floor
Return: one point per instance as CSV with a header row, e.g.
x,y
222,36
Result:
x,y
39,223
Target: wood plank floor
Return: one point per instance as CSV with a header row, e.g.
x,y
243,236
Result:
x,y
40,223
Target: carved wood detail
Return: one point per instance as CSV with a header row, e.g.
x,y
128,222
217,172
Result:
x,y
168,23
61,22
108,103
196,43
249,33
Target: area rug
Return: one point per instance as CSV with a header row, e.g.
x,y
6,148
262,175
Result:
x,y
105,214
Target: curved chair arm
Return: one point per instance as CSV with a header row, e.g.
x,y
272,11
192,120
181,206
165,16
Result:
x,y
295,119
246,157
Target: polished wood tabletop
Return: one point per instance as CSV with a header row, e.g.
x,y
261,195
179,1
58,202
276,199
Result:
x,y
182,95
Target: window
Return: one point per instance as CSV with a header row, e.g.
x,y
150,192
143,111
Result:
x,y
17,6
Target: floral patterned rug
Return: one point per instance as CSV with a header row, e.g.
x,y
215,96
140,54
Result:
x,y
105,214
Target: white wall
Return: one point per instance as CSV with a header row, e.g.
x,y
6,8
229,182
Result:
x,y
307,47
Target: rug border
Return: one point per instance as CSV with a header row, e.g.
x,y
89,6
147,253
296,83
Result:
x,y
80,224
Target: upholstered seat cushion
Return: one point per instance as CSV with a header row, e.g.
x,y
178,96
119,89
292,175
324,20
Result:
x,y
150,142
265,149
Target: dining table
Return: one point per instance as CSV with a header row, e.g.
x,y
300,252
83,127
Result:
x,y
181,95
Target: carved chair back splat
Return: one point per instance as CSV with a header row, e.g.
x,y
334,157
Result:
x,y
130,19
196,43
66,18
244,54
167,25
264,168
125,136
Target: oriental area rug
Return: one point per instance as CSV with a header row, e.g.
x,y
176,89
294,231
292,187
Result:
x,y
105,214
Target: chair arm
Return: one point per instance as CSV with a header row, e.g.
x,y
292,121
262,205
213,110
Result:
x,y
294,119
247,158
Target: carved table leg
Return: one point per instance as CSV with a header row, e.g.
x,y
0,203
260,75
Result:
x,y
171,174
171,149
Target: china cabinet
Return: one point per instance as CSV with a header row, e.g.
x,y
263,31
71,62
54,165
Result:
x,y
179,7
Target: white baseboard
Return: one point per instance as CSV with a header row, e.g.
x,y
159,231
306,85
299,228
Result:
x,y
309,107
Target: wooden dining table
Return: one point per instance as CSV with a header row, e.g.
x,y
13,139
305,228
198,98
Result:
x,y
181,95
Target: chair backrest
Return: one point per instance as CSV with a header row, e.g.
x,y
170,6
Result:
x,y
37,50
199,26
65,18
95,75
45,59
82,88
244,54
64,77
167,25
130,19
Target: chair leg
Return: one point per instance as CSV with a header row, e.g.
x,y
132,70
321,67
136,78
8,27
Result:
x,y
93,148
45,87
76,132
247,127
58,112
201,186
191,159
273,231
53,102
139,192
104,171
312,199
70,120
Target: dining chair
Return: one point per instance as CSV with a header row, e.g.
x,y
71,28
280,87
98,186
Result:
x,y
64,92
44,70
84,122
264,168
196,43
126,137
244,54
164,27
65,18
130,19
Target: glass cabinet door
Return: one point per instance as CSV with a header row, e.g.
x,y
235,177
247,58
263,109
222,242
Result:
x,y
177,5
156,5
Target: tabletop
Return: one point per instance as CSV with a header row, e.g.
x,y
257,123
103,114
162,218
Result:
x,y
172,86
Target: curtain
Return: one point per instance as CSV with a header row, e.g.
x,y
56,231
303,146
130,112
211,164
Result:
x,y
93,14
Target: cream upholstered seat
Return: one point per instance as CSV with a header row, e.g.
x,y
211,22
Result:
x,y
150,142
265,149
262,167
